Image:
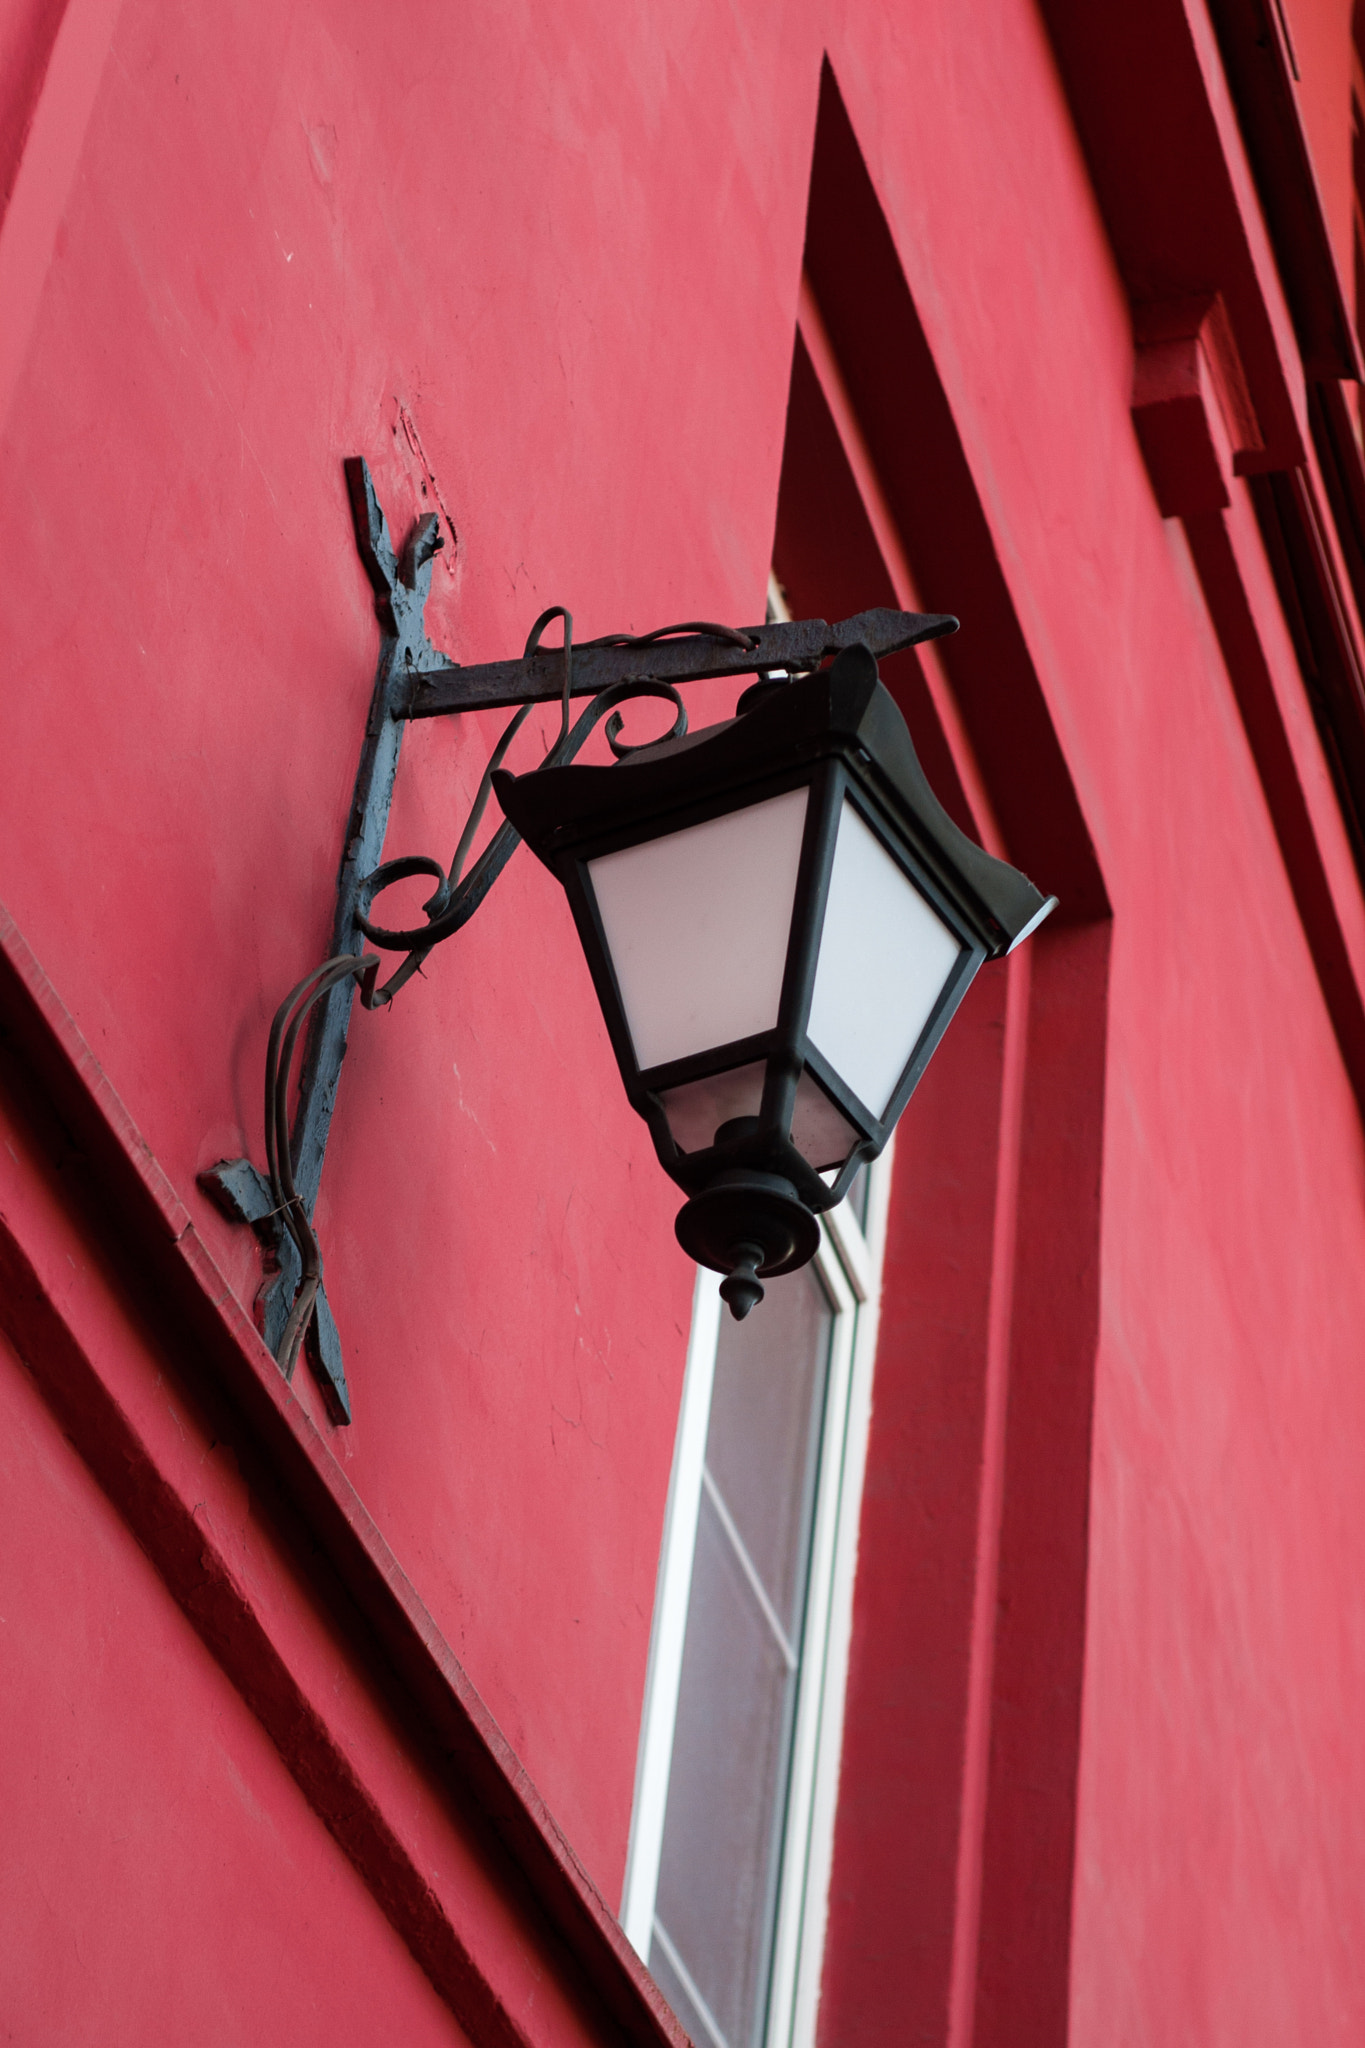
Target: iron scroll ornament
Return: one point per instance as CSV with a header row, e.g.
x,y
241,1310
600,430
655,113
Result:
x,y
414,680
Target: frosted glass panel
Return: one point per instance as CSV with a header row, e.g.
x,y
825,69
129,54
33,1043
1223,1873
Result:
x,y
885,956
698,1109
858,1194
697,924
821,1133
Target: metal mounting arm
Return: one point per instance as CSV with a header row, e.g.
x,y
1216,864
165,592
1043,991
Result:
x,y
414,680
794,645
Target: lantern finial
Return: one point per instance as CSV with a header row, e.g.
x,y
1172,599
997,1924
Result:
x,y
742,1288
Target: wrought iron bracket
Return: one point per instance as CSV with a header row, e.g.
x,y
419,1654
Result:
x,y
401,585
415,680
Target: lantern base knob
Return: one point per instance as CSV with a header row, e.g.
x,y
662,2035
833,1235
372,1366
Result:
x,y
749,1226
742,1288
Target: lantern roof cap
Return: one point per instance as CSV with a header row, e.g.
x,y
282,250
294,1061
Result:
x,y
842,711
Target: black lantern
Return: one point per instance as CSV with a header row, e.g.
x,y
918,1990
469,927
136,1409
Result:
x,y
780,920
779,917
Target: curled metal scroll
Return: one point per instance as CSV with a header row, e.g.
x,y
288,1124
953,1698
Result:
x,y
457,896
450,906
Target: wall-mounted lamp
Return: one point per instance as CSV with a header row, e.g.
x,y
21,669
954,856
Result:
x,y
779,917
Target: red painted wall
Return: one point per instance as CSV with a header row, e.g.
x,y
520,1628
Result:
x,y
163,1878
1320,51
501,1257
543,267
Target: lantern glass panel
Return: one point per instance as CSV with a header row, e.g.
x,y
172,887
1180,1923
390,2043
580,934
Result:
x,y
820,1132
697,924
885,957
697,1109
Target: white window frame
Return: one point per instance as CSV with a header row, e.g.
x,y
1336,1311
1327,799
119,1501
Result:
x,y
849,1264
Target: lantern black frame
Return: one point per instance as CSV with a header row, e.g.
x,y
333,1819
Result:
x,y
839,735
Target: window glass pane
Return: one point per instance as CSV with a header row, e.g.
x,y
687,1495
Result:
x,y
726,1788
700,2025
885,956
697,924
718,1875
763,1443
